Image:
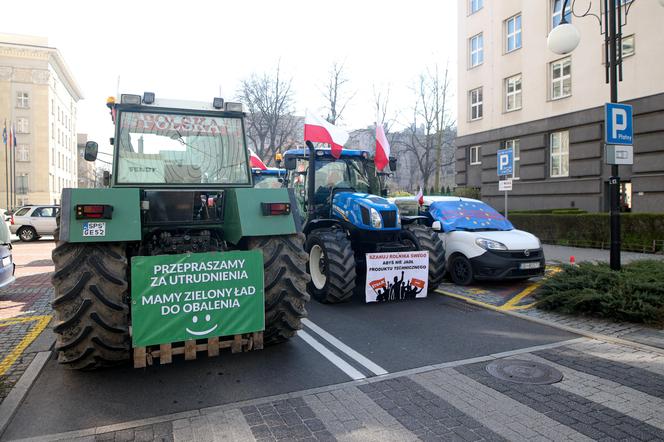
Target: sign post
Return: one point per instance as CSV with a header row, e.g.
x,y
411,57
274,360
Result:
x,y
505,161
619,139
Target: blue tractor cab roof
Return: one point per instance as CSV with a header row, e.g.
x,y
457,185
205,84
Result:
x,y
327,153
269,171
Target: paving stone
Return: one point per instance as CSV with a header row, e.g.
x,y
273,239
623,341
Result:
x,y
478,373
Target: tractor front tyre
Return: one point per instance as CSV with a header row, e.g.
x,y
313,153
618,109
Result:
x,y
331,266
286,294
427,239
90,305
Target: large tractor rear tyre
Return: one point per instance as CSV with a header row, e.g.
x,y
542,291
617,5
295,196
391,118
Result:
x,y
90,305
427,239
286,294
331,266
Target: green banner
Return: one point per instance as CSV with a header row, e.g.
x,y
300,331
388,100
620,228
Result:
x,y
197,295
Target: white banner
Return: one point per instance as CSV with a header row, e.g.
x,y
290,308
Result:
x,y
396,276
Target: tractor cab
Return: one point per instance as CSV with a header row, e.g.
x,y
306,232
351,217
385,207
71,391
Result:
x,y
270,178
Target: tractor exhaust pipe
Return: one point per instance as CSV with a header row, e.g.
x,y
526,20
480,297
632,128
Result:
x,y
311,180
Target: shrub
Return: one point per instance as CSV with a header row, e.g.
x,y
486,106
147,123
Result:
x,y
634,294
468,192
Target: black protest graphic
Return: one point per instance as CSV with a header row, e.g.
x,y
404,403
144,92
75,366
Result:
x,y
397,289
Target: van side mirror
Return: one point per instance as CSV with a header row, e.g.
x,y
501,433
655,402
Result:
x,y
393,164
106,179
290,163
91,149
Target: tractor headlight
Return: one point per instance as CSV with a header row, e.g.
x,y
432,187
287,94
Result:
x,y
376,221
489,244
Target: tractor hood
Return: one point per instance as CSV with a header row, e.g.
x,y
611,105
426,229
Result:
x,y
365,211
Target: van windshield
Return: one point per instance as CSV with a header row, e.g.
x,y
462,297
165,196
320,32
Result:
x,y
166,148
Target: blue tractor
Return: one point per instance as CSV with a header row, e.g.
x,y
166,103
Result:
x,y
270,178
343,219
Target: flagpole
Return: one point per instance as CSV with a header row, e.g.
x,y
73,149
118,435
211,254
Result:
x,y
4,138
11,167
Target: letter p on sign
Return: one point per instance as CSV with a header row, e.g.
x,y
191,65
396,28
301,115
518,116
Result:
x,y
618,122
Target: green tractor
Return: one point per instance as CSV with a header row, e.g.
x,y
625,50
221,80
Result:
x,y
345,219
180,186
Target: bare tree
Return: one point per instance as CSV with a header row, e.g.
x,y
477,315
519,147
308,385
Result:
x,y
440,89
427,135
271,124
335,93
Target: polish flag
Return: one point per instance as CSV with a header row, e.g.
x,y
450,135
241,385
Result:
x,y
255,161
318,130
382,149
420,196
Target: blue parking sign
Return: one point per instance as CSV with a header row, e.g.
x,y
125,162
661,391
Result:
x,y
505,162
618,124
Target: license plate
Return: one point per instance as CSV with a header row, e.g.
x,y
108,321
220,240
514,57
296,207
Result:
x,y
6,261
529,265
94,229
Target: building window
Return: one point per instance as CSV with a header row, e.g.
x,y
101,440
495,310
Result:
x,y
476,5
22,152
22,125
22,184
475,157
516,156
475,97
513,33
561,78
513,93
476,50
556,12
628,46
559,154
22,100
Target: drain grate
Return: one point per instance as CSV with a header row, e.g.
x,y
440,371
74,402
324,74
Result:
x,y
524,372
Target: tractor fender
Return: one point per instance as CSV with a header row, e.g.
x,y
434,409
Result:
x,y
405,220
322,223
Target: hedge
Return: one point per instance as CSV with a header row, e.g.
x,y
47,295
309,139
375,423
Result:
x,y
643,232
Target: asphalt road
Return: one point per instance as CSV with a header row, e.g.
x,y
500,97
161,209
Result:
x,y
340,343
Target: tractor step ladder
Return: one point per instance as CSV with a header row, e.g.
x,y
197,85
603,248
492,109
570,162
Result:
x,y
144,356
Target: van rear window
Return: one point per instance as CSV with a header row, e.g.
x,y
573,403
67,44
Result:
x,y
22,211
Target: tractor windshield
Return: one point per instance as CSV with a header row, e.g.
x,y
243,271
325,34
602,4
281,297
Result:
x,y
165,148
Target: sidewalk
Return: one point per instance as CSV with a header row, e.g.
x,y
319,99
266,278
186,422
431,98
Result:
x,y
609,392
561,254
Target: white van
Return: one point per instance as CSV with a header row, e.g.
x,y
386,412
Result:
x,y
480,243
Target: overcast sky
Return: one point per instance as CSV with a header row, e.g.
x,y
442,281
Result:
x,y
191,49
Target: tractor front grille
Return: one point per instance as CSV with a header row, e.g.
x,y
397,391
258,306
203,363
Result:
x,y
389,218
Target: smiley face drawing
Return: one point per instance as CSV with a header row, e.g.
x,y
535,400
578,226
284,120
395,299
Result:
x,y
204,332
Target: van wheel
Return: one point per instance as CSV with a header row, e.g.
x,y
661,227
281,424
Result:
x,y
461,271
27,234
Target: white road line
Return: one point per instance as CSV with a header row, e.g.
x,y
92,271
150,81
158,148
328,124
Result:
x,y
336,360
362,360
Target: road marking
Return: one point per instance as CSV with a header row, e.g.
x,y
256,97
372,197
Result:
x,y
42,322
357,357
336,360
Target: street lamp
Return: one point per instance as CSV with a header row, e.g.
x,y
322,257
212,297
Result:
x,y
563,39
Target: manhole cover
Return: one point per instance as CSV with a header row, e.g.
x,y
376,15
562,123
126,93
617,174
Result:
x,y
524,372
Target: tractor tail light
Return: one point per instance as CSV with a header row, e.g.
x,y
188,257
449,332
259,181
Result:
x,y
270,209
94,211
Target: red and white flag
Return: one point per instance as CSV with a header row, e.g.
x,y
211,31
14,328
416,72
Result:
x,y
255,161
420,196
318,130
382,149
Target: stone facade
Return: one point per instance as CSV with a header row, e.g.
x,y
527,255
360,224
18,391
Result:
x,y
39,94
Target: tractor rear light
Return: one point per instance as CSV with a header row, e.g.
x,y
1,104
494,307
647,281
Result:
x,y
148,97
94,211
270,209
